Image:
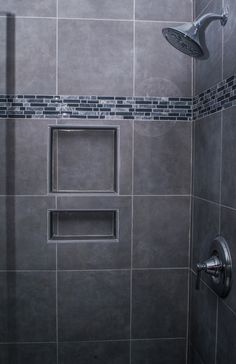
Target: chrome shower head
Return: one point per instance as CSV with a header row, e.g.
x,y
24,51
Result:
x,y
187,37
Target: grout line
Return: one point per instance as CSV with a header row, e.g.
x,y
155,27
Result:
x,y
134,48
57,48
206,200
88,341
221,164
189,246
82,195
204,9
132,242
216,333
96,19
89,270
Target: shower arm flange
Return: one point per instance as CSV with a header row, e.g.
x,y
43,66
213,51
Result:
x,y
206,19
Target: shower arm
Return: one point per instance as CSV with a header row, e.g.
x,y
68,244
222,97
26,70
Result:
x,y
206,19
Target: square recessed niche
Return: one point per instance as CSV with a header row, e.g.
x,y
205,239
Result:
x,y
84,159
83,226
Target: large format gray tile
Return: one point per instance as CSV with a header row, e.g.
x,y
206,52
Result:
x,y
29,7
32,59
203,322
124,148
164,10
205,223
160,69
27,307
158,351
122,9
102,254
106,352
93,305
28,353
162,153
228,158
193,356
207,157
226,344
228,230
208,70
23,233
23,147
100,57
229,52
161,232
159,303
199,7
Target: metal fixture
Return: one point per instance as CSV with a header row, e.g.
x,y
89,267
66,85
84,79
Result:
x,y
218,267
189,37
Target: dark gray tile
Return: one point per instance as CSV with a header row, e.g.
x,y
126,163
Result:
x,y
203,322
166,71
29,8
162,153
28,353
124,148
23,233
161,232
23,157
229,53
228,231
93,305
115,352
100,61
28,307
104,9
32,59
213,59
159,303
226,348
164,10
194,357
100,255
228,160
199,6
207,157
205,224
158,351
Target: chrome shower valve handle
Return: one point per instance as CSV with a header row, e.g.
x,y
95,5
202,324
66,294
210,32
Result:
x,y
218,267
211,266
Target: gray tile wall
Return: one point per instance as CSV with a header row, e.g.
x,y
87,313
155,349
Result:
x,y
220,62
96,302
212,319
88,47
122,302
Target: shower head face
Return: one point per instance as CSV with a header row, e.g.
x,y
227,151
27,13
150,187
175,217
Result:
x,y
183,42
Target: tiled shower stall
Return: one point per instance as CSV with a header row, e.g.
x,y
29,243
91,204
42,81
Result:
x,y
117,171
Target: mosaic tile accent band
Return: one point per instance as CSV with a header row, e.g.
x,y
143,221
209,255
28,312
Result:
x,y
219,97
95,107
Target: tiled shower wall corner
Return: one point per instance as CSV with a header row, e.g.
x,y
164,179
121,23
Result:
x,y
212,319
107,301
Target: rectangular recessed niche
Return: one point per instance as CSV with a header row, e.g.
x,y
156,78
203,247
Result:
x,y
83,159
83,225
